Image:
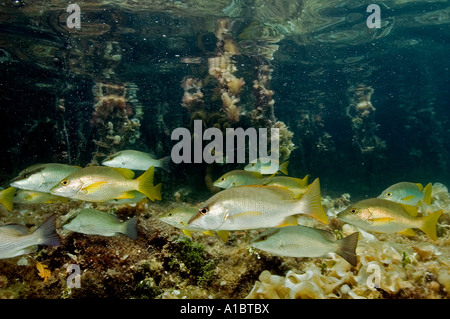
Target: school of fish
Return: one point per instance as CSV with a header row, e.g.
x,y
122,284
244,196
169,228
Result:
x,y
249,199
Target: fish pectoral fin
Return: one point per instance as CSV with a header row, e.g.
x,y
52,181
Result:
x,y
408,197
92,188
288,221
419,186
208,232
223,234
408,232
382,220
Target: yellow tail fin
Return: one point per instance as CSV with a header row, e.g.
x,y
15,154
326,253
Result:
x,y
284,168
7,197
427,194
314,203
146,187
429,224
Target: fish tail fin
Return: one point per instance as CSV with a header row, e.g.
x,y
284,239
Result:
x,y
165,163
130,228
427,194
145,185
284,168
313,202
46,233
7,197
429,224
347,248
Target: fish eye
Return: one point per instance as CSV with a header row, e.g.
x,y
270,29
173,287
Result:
x,y
389,194
263,238
353,211
253,164
203,210
25,176
223,178
65,182
169,214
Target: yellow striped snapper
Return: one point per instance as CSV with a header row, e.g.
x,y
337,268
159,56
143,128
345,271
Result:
x,y
302,241
7,197
179,218
138,197
15,239
259,166
23,196
408,193
249,207
136,160
296,185
42,177
94,222
238,178
384,216
102,183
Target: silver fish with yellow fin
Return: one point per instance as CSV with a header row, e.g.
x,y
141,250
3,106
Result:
x,y
385,216
7,198
15,239
237,178
24,196
249,207
264,166
42,177
296,185
136,160
408,193
94,222
302,241
102,183
179,218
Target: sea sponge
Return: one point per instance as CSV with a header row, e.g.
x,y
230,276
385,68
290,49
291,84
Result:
x,y
229,106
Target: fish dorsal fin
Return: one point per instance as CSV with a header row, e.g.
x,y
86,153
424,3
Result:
x,y
289,221
327,235
285,192
125,172
92,188
411,210
304,181
15,229
420,186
